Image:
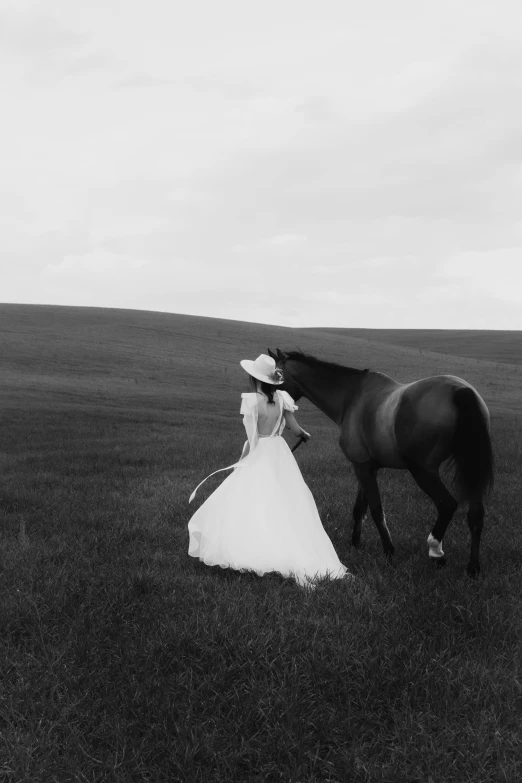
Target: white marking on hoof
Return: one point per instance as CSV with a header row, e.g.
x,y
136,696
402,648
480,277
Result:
x,y
435,547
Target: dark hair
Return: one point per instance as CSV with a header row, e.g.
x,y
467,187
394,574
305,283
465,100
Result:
x,y
267,388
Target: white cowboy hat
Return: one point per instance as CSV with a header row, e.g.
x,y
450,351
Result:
x,y
264,369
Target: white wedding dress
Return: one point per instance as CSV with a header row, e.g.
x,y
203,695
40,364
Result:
x,y
263,517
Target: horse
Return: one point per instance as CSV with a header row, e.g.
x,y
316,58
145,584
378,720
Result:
x,y
414,426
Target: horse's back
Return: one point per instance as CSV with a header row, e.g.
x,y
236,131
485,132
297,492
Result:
x,y
427,416
434,397
393,422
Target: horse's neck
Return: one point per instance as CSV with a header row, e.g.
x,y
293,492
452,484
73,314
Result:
x,y
330,394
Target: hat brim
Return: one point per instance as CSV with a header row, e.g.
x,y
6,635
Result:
x,y
248,366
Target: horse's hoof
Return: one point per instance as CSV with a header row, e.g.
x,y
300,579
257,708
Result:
x,y
441,562
473,570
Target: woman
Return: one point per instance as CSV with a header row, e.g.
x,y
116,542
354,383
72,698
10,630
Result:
x,y
263,517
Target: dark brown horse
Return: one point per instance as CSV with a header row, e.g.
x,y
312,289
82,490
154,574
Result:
x,y
411,426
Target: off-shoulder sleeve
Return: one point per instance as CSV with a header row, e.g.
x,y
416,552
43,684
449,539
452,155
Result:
x,y
248,402
288,403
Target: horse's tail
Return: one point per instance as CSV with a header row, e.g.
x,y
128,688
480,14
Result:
x,y
471,449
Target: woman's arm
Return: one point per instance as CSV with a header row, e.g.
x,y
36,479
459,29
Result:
x,y
294,427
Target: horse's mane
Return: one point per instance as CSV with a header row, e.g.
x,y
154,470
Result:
x,y
321,364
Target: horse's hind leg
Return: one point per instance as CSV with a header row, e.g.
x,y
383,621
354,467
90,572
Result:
x,y
445,503
359,510
366,473
475,519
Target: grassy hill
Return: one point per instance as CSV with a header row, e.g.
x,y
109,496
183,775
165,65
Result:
x,y
128,356
496,346
125,660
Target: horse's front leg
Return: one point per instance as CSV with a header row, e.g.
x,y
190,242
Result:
x,y
359,511
366,473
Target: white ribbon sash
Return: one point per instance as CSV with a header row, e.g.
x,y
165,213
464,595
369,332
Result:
x,y
249,411
236,465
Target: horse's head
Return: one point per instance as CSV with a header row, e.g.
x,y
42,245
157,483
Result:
x,y
290,385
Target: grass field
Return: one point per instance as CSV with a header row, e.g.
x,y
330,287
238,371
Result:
x,y
125,660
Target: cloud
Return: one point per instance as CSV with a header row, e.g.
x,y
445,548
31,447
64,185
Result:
x,y
284,240
285,243
104,226
230,89
27,236
496,273
34,35
434,177
139,81
99,264
161,156
97,277
317,109
46,50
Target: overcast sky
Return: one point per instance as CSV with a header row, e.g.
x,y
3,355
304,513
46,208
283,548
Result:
x,y
301,163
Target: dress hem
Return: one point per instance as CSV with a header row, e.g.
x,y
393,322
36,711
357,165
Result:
x,y
311,581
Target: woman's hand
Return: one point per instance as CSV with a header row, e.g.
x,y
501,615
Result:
x,y
305,435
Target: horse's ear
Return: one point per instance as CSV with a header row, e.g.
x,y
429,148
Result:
x,y
271,354
280,354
